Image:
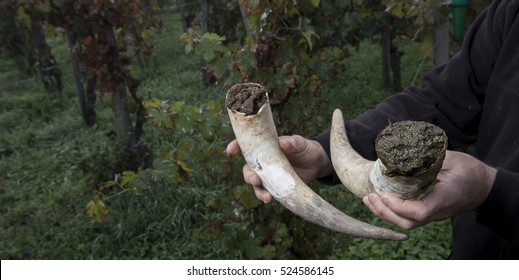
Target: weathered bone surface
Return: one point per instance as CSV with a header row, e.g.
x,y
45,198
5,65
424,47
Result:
x,y
410,157
258,140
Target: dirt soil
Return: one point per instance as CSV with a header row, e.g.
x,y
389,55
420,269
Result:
x,y
409,148
246,98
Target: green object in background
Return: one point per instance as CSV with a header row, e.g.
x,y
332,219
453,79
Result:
x,y
458,9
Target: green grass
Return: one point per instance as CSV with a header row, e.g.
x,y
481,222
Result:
x,y
51,164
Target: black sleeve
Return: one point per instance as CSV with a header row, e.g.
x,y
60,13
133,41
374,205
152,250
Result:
x,y
500,212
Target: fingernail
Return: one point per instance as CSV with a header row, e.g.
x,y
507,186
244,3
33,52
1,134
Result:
x,y
285,144
264,197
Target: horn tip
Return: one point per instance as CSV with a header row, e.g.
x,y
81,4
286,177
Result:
x,y
337,118
402,237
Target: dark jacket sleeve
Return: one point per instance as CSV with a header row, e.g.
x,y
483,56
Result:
x,y
500,212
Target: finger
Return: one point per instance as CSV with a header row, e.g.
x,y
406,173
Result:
x,y
262,194
233,148
250,176
414,210
377,206
253,179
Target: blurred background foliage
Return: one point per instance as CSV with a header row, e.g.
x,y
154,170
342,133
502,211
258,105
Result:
x,y
113,127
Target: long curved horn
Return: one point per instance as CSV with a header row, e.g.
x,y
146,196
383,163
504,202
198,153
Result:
x,y
258,140
362,176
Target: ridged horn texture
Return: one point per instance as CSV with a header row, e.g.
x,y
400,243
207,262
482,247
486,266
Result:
x,y
256,134
362,176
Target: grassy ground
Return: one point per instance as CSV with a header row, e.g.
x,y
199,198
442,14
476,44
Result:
x,y
50,165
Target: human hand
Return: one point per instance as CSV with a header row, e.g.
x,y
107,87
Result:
x,y
307,157
463,184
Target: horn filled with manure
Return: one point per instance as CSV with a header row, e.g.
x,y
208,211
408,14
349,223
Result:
x,y
410,153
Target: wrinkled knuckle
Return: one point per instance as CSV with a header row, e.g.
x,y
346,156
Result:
x,y
247,171
248,175
256,181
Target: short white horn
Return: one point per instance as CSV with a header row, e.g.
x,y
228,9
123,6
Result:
x,y
256,134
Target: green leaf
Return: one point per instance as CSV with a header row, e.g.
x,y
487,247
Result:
x,y
183,124
220,66
163,119
209,45
246,197
108,184
208,55
96,208
398,10
128,177
213,37
152,103
23,17
292,11
177,106
189,48
315,3
176,179
184,167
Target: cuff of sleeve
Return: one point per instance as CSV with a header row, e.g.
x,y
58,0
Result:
x,y
500,211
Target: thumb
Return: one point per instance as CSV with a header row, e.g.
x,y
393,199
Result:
x,y
292,145
287,144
